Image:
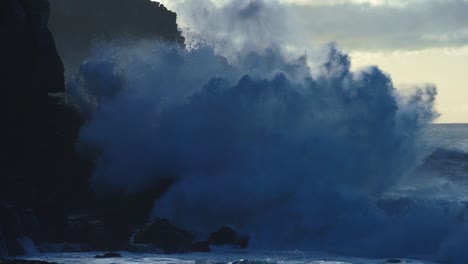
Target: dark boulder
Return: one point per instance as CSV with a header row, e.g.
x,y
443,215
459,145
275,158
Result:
x,y
164,235
228,236
109,255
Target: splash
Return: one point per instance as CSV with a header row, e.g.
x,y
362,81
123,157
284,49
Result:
x,y
294,158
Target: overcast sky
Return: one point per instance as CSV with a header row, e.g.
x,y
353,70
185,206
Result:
x,y
416,41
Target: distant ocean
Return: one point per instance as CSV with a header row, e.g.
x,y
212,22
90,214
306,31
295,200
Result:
x,y
449,136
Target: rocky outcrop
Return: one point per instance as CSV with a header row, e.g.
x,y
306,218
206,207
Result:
x,y
228,236
29,57
10,223
18,227
38,163
171,239
165,236
76,24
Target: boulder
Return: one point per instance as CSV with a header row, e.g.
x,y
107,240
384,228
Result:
x,y
164,235
228,236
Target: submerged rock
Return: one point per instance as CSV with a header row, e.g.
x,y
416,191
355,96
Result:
x,y
228,236
200,247
164,235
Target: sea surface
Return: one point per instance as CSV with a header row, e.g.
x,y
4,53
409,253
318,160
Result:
x,y
240,257
448,141
449,136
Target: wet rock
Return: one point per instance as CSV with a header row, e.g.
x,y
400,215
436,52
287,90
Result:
x,y
200,247
39,132
85,230
164,235
109,255
228,236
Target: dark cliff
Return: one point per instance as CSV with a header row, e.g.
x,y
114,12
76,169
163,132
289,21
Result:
x,y
38,164
77,23
42,178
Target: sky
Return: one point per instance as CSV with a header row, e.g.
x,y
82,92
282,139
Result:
x,y
415,41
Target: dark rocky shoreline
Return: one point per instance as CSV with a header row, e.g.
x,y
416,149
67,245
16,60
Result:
x,y
45,194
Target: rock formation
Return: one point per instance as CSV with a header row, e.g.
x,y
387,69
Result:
x,y
76,24
38,164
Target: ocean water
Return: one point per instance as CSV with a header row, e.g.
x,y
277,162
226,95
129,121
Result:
x,y
240,257
451,140
444,173
450,136
449,143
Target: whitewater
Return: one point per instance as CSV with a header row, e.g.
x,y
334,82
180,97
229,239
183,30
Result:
x,y
292,148
450,137
233,257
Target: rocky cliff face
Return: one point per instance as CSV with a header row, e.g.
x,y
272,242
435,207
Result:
x,y
31,69
38,164
77,23
42,178
29,57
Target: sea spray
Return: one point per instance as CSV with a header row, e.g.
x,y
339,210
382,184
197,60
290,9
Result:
x,y
295,158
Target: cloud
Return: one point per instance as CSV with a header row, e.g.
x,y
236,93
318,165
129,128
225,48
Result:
x,y
370,25
412,26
